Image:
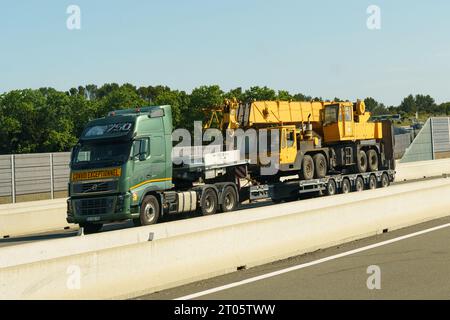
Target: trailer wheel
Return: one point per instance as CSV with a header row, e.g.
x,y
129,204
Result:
x,y
331,187
229,199
359,184
209,202
361,162
346,187
320,165
384,180
149,212
307,172
372,160
372,182
90,228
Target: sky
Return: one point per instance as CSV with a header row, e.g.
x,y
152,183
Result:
x,y
319,48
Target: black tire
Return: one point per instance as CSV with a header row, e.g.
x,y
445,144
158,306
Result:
x,y
359,184
331,187
149,212
361,162
320,166
229,200
372,182
372,160
209,202
346,186
307,172
90,228
384,180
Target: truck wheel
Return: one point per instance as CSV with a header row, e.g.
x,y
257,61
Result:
x,y
331,187
372,182
90,228
372,160
359,184
229,200
345,186
361,162
385,180
149,212
208,203
307,172
320,165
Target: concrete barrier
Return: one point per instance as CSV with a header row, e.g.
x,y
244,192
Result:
x,y
128,263
33,217
422,169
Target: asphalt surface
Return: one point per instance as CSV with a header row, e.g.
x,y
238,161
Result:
x,y
414,268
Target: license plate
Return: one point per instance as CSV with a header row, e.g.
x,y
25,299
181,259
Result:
x,y
90,219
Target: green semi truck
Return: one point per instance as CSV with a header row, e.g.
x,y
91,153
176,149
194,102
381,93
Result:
x,y
122,168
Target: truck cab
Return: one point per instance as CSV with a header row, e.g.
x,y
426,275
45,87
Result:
x,y
117,161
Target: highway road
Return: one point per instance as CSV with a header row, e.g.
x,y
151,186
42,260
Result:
x,y
410,263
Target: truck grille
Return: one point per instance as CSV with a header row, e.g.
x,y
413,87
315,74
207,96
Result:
x,y
92,187
96,206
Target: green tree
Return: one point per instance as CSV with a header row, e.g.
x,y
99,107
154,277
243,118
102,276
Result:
x,y
202,99
408,105
284,95
301,97
259,93
444,108
425,104
179,101
375,107
119,98
20,129
235,93
57,125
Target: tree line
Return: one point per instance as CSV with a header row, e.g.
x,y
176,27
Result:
x,y
48,120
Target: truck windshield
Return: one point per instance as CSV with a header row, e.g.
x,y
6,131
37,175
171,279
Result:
x,y
92,155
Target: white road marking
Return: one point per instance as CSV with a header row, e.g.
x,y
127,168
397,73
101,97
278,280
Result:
x,y
312,263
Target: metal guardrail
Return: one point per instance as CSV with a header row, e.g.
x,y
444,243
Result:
x,y
33,173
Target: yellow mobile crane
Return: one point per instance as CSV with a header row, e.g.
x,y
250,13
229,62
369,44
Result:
x,y
316,138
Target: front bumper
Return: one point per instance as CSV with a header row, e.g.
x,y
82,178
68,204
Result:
x,y
99,209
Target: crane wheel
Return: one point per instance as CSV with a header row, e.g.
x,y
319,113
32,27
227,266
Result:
x,y
331,187
372,182
372,160
307,172
359,184
385,180
361,162
320,165
346,186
